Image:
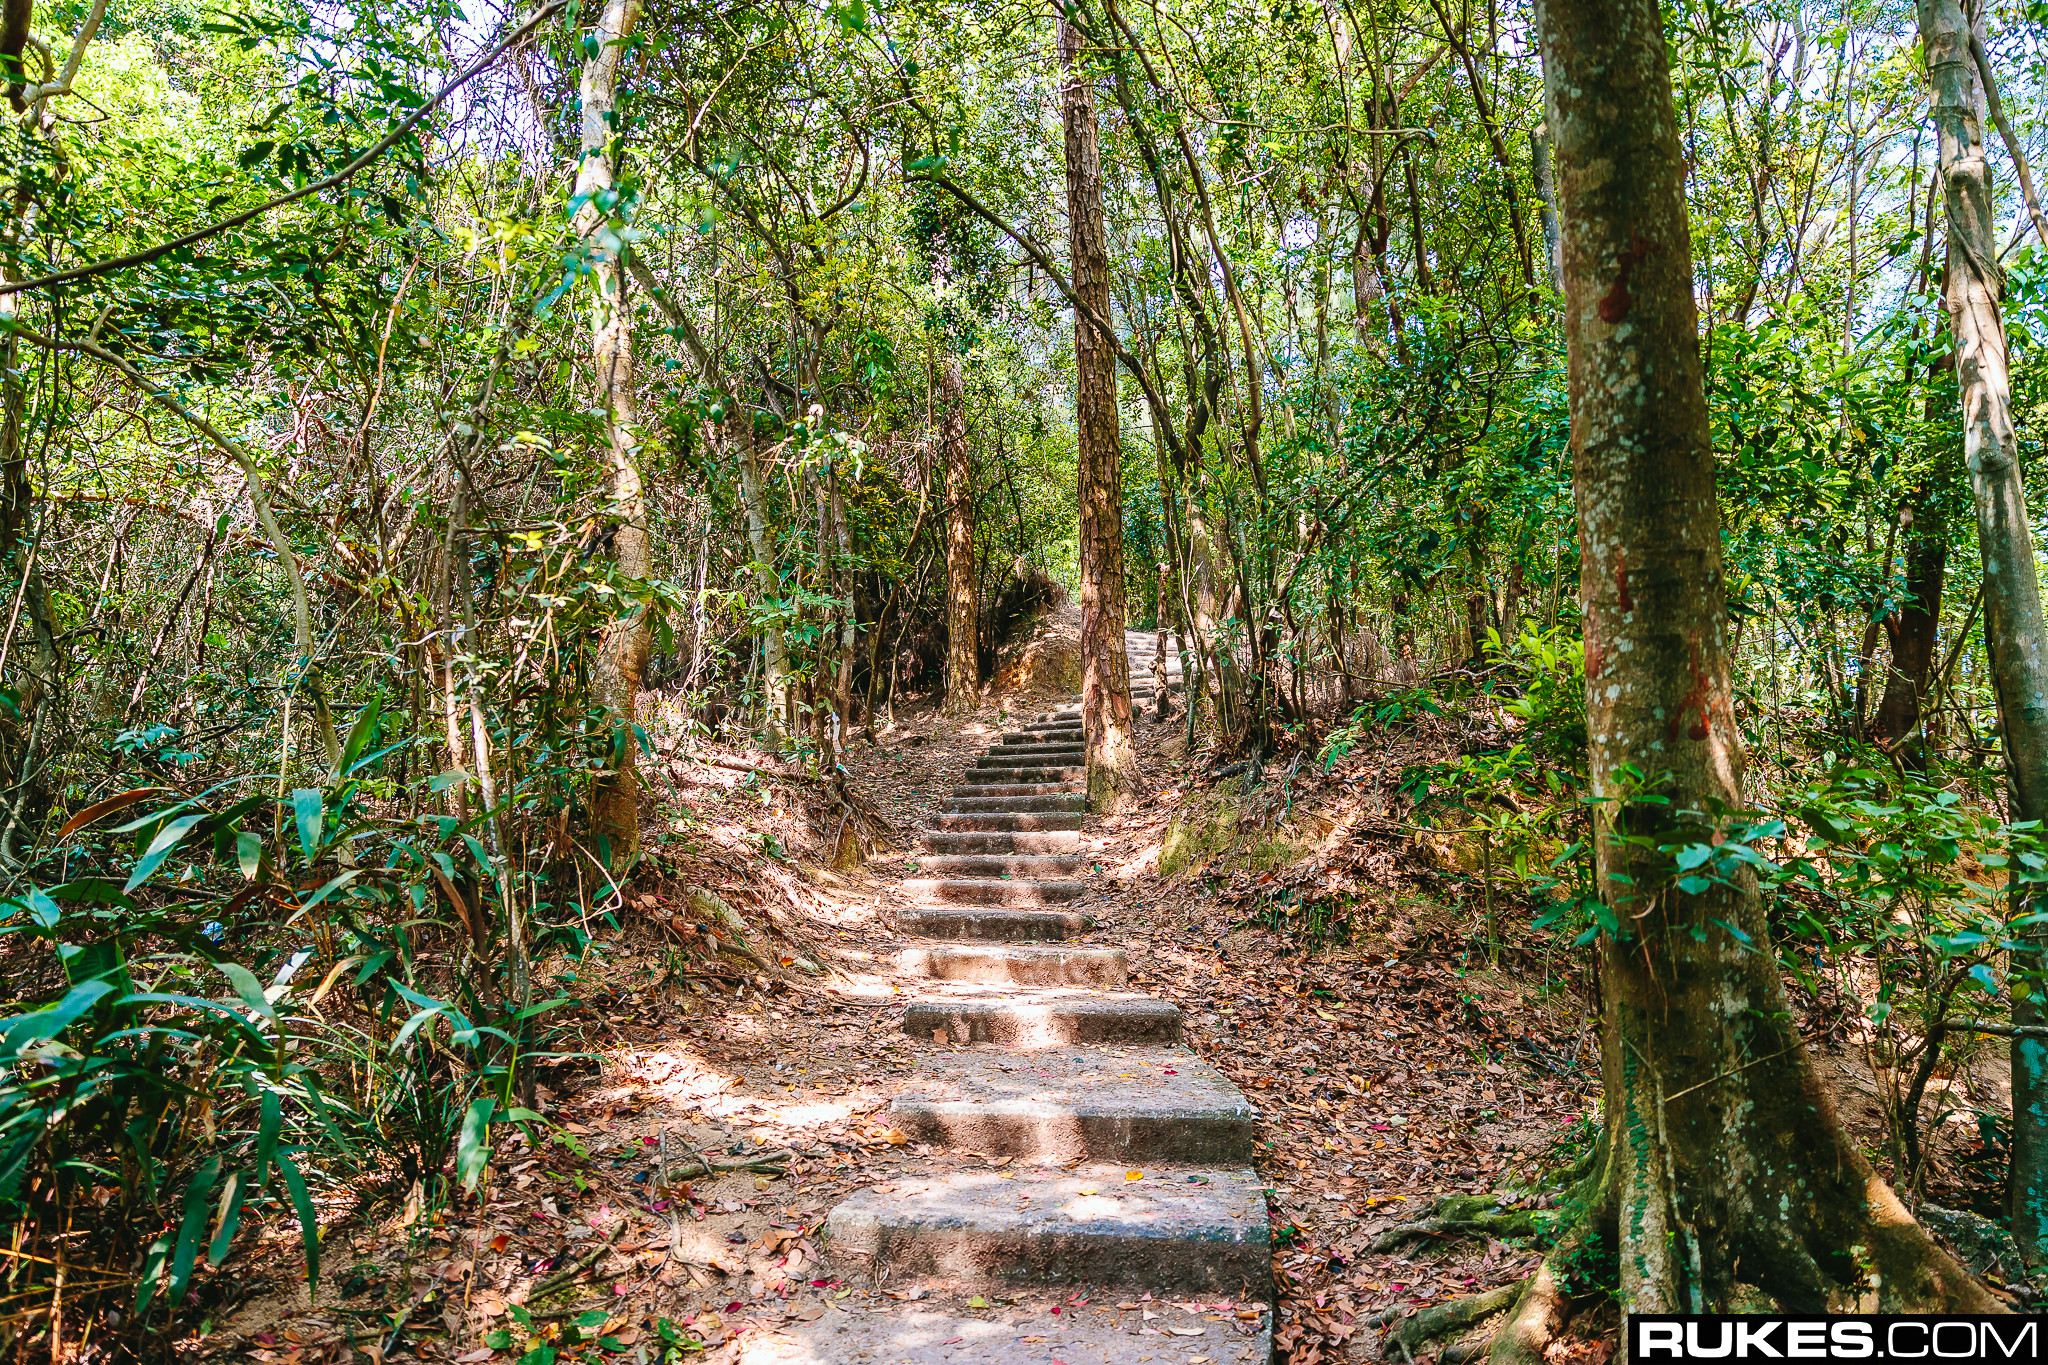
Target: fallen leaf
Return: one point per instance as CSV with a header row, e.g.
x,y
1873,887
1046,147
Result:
x,y
976,1302
1187,1331
1134,1175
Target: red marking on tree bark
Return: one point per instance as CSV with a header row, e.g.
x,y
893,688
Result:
x,y
1615,304
1628,603
1697,699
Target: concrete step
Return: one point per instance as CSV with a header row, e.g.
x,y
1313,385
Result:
x,y
993,891
995,865
951,1331
1010,773
993,926
1015,789
1002,843
1066,734
1057,801
1052,727
993,822
996,760
1165,1233
1103,968
1088,1104
1062,749
1050,1019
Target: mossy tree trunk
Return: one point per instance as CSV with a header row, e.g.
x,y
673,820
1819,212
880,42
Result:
x,y
601,202
1725,1179
2015,636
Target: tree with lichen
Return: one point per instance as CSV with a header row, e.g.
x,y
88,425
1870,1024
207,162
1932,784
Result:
x,y
1722,1180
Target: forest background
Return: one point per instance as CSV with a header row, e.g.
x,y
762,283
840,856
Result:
x,y
412,410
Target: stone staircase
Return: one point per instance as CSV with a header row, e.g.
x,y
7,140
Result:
x,y
1131,1171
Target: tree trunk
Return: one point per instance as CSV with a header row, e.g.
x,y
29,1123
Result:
x,y
767,589
2013,631
1910,633
963,617
1105,671
1725,1180
622,654
1546,200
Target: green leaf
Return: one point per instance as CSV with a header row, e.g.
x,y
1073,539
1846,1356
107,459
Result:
x,y
190,1226
309,806
363,733
152,1271
596,1317
230,1218
167,840
248,987
309,1222
499,1340
1693,855
472,1146
266,1136
26,1030
249,854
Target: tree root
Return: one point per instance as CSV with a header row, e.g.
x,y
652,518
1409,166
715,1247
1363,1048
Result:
x,y
1503,1224
1448,1319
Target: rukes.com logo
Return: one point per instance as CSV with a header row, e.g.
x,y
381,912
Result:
x,y
1860,1337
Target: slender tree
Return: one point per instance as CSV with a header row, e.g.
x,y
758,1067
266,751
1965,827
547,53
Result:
x,y
600,204
963,618
1724,1178
1105,671
2014,633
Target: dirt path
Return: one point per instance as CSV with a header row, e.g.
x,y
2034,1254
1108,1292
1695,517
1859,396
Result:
x,y
1382,1072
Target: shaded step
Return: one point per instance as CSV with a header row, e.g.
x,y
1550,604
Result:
x,y
1161,1233
968,841
1147,1104
994,891
1053,801
1037,770
994,821
995,865
1065,734
953,1332
1052,727
1048,1021
1015,789
999,966
1073,749
994,926
996,761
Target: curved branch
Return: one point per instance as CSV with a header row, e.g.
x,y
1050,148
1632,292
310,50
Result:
x,y
1037,253
384,145
287,558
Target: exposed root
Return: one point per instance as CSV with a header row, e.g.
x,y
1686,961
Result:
x,y
1449,1319
1538,1316
1451,1223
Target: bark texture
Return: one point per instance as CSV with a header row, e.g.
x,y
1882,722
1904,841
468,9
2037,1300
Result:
x,y
963,616
1105,669
622,655
1729,1178
2013,632
1911,634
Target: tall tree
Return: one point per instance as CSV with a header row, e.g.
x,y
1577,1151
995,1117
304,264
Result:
x,y
602,205
963,618
2014,633
1105,671
1723,1177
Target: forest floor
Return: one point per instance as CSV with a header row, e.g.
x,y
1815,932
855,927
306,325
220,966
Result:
x,y
1391,1063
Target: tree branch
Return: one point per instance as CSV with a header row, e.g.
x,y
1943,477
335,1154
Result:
x,y
383,145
